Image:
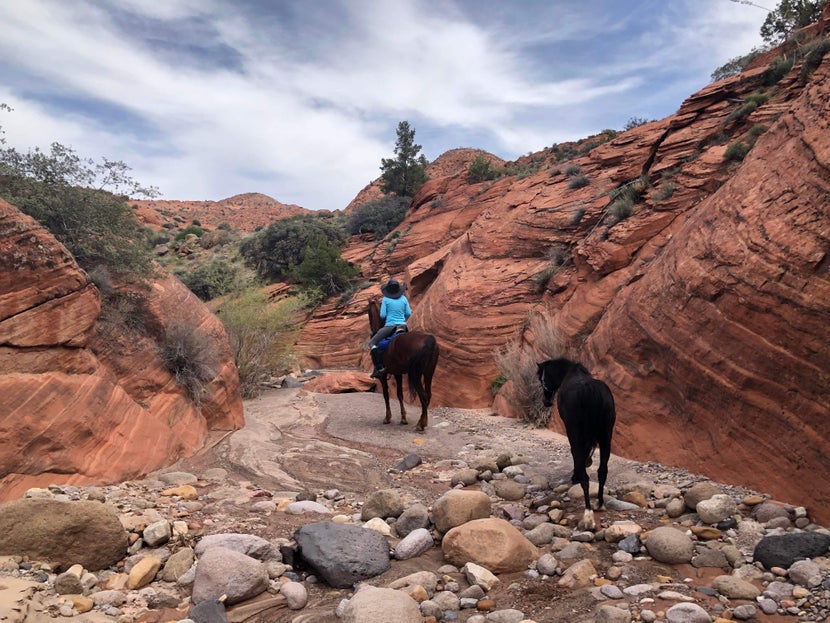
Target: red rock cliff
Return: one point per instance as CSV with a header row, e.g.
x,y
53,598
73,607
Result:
x,y
85,401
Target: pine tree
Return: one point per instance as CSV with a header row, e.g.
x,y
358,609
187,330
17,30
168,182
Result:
x,y
404,174
788,16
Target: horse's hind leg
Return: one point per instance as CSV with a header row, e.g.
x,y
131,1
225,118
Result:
x,y
399,383
423,397
385,385
602,471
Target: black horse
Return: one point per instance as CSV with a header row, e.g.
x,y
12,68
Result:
x,y
412,353
586,406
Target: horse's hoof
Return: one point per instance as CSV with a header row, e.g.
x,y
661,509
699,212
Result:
x,y
387,421
419,429
587,522
404,423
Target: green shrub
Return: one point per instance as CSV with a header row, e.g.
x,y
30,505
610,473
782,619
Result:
x,y
751,102
578,181
756,130
188,354
778,68
378,217
573,170
481,170
260,335
212,280
190,229
275,251
737,64
736,151
664,191
813,57
322,267
620,209
497,383
634,122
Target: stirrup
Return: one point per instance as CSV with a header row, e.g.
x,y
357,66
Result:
x,y
378,373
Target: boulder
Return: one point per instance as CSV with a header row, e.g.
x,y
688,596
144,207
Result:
x,y
341,554
492,543
63,533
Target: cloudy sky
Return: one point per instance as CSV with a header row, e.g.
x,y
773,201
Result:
x,y
300,99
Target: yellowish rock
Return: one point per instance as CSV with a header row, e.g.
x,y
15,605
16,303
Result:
x,y
601,581
635,497
706,532
143,572
419,593
186,492
82,604
753,500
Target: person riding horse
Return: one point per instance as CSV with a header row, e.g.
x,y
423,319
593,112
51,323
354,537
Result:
x,y
394,311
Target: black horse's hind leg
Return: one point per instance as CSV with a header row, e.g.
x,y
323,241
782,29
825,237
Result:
x,y
399,383
602,471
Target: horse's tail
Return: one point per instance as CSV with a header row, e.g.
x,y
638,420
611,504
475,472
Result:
x,y
421,367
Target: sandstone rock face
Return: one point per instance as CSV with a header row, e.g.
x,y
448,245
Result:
x,y
83,400
705,310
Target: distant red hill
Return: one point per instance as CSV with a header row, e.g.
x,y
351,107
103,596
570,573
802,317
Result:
x,y
244,213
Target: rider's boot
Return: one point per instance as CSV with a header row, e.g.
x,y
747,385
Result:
x,y
377,359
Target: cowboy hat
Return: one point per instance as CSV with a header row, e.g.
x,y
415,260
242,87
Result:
x,y
392,289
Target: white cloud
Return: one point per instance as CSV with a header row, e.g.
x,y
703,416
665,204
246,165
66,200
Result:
x,y
276,107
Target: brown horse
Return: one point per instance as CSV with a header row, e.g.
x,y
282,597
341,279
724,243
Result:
x,y
412,353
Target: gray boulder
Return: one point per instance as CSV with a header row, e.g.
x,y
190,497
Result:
x,y
782,550
222,571
342,554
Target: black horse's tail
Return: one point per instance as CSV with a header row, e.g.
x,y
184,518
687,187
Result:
x,y
421,367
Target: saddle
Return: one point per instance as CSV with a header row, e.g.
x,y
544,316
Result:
x,y
384,343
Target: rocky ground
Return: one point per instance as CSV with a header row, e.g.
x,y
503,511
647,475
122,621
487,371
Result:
x,y
303,458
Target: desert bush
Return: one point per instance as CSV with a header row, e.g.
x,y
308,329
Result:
x,y
517,364
497,383
577,216
755,131
751,102
188,354
276,250
190,229
664,191
736,151
813,56
68,195
260,334
481,170
321,267
540,279
378,217
634,122
578,181
573,170
778,68
211,280
736,65
620,209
